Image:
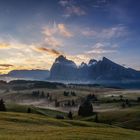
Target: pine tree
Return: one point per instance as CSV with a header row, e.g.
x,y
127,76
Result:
x,y
70,116
29,110
85,109
2,105
96,118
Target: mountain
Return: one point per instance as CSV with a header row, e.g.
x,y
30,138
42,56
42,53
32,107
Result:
x,y
29,74
92,62
108,70
63,69
105,69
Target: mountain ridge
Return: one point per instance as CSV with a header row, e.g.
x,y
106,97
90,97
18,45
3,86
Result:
x,y
64,69
104,69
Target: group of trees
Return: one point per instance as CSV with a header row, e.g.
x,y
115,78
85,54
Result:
x,y
92,97
69,103
138,99
38,94
67,93
42,94
85,109
126,103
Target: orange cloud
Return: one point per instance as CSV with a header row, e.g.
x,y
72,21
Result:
x,y
4,45
64,31
6,65
54,34
48,50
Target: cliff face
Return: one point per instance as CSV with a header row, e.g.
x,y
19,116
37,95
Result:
x,y
63,69
105,69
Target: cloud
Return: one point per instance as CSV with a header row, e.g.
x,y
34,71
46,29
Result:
x,y
118,31
71,8
57,29
106,33
4,45
64,31
50,36
64,2
74,10
100,3
53,42
48,50
100,48
6,65
88,32
54,34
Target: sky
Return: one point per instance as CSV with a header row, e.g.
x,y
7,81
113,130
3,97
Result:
x,y
34,32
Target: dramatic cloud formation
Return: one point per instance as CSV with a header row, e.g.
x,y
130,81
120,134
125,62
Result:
x,y
53,34
32,35
57,29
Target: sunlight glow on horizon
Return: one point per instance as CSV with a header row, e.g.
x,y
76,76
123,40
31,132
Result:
x,y
33,34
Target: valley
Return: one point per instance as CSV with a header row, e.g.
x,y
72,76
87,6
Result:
x,y
118,112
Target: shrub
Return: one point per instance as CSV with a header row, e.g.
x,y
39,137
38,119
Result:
x,y
59,117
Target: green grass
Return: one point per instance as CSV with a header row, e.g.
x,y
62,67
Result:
x,y
127,118
11,107
40,124
23,126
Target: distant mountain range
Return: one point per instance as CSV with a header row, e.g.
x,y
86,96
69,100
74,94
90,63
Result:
x,y
105,69
64,70
26,74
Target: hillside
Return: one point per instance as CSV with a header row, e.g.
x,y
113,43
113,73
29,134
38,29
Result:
x,y
15,126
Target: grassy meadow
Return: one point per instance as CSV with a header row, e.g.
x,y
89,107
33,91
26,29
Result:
x,y
114,122
15,126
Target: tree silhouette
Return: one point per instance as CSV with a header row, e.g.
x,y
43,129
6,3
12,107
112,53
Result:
x,y
85,109
66,93
70,115
29,110
96,117
2,105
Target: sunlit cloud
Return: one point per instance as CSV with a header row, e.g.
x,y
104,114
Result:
x,y
64,31
6,65
54,34
24,56
53,42
48,50
4,45
57,29
100,48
